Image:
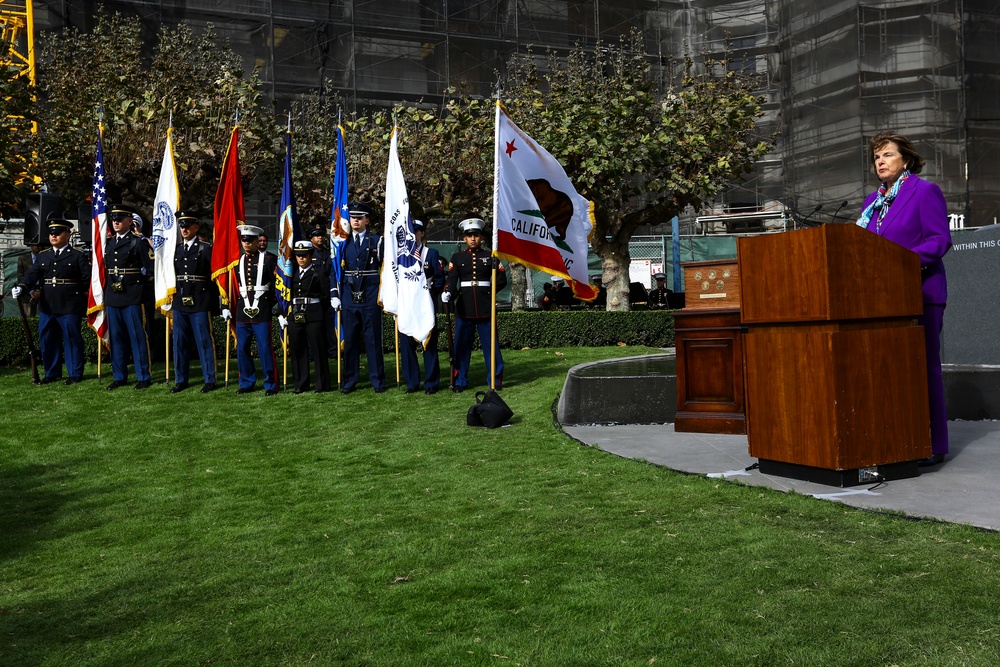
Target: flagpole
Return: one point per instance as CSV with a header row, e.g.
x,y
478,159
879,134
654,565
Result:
x,y
166,328
338,348
229,322
493,326
395,321
284,360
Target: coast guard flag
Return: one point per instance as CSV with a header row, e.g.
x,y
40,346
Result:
x,y
168,198
403,291
99,232
289,232
229,212
539,219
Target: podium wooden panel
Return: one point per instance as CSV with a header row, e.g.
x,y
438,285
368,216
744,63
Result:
x,y
710,396
834,362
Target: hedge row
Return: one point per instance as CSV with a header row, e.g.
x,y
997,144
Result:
x,y
531,329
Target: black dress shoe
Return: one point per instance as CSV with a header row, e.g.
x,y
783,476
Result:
x,y
243,390
458,390
346,390
412,390
932,460
48,380
70,381
114,385
271,392
179,387
431,390
299,391
207,387
379,390
143,384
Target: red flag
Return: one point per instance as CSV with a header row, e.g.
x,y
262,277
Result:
x,y
229,212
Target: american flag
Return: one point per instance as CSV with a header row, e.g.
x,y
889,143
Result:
x,y
99,232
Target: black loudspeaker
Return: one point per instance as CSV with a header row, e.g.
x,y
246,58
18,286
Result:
x,y
39,208
85,221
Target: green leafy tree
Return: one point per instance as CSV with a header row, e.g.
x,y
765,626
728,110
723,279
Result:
x,y
189,79
641,151
17,168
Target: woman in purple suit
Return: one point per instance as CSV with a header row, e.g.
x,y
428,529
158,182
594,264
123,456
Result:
x,y
911,212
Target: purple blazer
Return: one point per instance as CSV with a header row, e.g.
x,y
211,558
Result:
x,y
918,220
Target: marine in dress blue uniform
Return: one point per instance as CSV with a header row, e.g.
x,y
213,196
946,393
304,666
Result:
x,y
254,311
310,293
128,269
61,275
434,271
469,276
357,295
193,303
658,298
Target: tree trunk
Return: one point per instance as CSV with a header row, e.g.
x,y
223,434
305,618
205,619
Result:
x,y
615,261
518,286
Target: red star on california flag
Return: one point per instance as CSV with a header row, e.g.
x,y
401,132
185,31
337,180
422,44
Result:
x,y
511,147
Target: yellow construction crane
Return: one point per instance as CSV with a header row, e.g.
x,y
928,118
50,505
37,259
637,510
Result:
x,y
18,29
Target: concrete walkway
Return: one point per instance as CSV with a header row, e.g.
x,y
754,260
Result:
x,y
964,489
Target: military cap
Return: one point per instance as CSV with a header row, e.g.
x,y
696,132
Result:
x,y
303,248
660,276
419,226
597,278
358,209
118,211
472,225
316,231
187,218
249,231
59,225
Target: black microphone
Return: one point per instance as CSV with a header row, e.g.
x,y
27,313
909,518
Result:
x,y
813,212
842,205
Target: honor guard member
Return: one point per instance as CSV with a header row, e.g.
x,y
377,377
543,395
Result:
x,y
193,303
407,344
657,298
255,303
310,291
24,264
469,276
322,262
361,317
128,266
61,277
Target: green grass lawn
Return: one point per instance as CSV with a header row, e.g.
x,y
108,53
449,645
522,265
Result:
x,y
143,528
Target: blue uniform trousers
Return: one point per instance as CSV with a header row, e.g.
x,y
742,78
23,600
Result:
x,y
61,333
465,328
261,331
408,347
195,327
127,329
366,323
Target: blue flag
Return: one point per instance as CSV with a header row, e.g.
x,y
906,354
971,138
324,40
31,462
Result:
x,y
289,233
340,225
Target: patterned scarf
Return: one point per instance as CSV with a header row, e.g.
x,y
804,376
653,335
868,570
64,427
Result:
x,y
881,204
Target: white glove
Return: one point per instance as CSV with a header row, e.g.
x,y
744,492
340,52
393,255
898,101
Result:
x,y
16,292
226,315
445,297
282,321
335,303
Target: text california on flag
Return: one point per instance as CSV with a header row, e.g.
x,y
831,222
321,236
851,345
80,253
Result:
x,y
541,220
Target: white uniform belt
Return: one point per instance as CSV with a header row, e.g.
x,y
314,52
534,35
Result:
x,y
59,281
187,278
474,283
304,300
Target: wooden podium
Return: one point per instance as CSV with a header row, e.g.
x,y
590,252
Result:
x,y
834,361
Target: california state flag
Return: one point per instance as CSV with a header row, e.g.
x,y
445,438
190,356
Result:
x,y
539,218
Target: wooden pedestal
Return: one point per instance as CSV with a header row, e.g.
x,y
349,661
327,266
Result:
x,y
710,395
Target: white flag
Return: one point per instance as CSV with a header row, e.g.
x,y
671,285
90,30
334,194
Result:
x,y
539,218
165,229
404,291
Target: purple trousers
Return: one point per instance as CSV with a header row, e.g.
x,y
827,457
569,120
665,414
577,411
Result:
x,y
932,320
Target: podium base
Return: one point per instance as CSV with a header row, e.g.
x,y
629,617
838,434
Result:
x,y
842,478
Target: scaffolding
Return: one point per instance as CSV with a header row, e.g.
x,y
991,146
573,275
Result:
x,y
830,74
